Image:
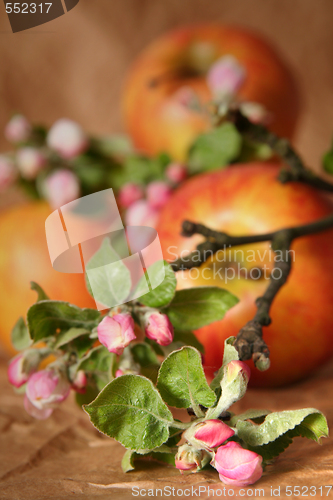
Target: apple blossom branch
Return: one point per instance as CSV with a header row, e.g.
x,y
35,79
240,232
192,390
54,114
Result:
x,y
297,171
249,341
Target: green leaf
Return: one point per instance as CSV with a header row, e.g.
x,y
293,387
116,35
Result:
x,y
20,335
278,430
254,415
131,410
163,293
215,149
193,308
51,317
91,392
107,276
41,294
328,162
182,382
144,355
98,359
187,338
230,353
67,336
163,455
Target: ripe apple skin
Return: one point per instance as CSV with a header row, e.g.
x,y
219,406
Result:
x,y
155,118
247,199
24,257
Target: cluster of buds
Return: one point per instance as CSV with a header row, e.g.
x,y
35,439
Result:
x,y
65,140
144,205
117,331
213,440
44,389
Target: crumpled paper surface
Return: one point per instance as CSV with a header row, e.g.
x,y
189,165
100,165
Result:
x,y
65,457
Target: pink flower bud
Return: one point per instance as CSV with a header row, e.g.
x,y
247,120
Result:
x,y
67,138
18,129
130,193
159,328
30,161
8,172
80,382
190,459
176,172
61,187
117,332
225,76
141,213
46,389
158,193
236,369
20,369
209,434
237,466
119,373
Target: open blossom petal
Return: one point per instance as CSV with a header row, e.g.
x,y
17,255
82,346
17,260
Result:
x,y
47,388
236,465
117,332
67,138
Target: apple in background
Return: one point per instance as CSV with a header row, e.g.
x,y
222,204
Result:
x,y
24,257
177,74
247,199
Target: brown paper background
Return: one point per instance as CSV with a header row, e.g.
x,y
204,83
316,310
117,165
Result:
x,y
75,67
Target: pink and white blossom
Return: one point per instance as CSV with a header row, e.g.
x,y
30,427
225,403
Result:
x,y
129,194
19,370
67,138
158,327
18,129
30,161
117,332
61,187
46,389
237,466
226,76
158,194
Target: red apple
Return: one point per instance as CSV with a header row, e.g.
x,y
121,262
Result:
x,y
248,199
172,73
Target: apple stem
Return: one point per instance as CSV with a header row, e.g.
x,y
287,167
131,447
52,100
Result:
x,y
297,171
249,341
